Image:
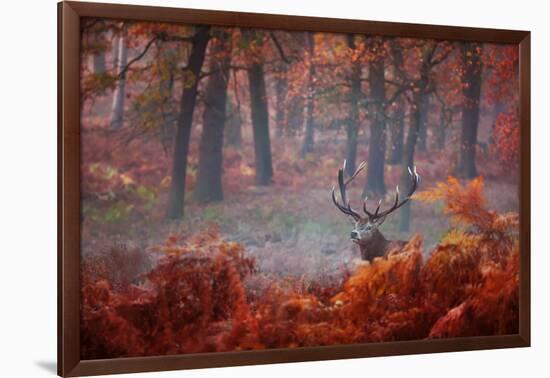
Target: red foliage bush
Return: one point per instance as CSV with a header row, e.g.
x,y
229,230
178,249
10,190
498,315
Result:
x,y
506,140
491,308
195,299
192,301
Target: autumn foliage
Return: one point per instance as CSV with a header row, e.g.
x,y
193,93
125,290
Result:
x,y
199,295
506,139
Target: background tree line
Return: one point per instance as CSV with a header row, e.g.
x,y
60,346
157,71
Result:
x,y
399,97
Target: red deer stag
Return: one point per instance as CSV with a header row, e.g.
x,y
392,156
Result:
x,y
365,232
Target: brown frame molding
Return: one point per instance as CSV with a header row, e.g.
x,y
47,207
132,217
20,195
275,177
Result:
x,y
69,14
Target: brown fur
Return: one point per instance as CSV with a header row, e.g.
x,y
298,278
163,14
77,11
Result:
x,y
378,246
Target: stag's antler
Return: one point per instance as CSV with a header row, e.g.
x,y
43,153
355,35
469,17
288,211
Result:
x,y
415,179
346,207
377,215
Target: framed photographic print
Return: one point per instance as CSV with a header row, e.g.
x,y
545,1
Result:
x,y
240,188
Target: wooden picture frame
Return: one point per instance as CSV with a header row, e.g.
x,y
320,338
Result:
x,y
69,360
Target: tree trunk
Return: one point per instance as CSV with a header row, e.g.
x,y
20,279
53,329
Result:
x,y
190,83
423,125
397,135
117,113
377,142
281,89
98,58
209,176
444,122
419,92
260,124
352,129
295,115
99,63
408,160
309,136
500,107
295,102
441,133
114,53
167,59
233,127
398,125
470,114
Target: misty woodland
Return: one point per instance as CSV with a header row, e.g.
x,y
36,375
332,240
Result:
x,y
249,189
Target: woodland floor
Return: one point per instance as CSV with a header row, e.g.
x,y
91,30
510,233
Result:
x,y
291,235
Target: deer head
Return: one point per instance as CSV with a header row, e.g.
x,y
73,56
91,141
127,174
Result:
x,y
366,226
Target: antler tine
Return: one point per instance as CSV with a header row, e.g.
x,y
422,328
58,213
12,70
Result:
x,y
346,205
357,171
369,214
340,207
415,180
377,209
342,185
396,205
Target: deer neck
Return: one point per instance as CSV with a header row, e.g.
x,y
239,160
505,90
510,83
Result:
x,y
374,247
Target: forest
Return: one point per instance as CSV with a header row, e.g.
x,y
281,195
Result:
x,y
208,156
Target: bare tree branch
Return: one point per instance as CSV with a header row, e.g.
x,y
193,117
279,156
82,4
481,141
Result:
x,y
125,69
279,48
434,62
